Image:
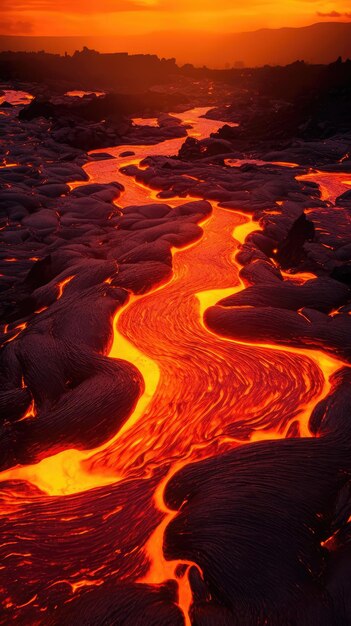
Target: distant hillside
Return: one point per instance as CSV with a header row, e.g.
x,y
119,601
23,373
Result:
x,y
89,69
318,43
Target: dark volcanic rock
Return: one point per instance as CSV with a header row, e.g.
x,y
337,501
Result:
x,y
291,251
306,327
6,105
342,273
260,549
140,605
323,294
344,200
37,108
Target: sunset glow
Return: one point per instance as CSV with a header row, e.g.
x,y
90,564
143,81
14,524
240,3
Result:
x,y
132,17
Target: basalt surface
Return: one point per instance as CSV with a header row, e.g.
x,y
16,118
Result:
x,y
175,384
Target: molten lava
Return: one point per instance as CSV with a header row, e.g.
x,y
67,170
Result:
x,y
204,394
331,184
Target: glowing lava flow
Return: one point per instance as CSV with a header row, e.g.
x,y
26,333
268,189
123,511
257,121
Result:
x,y
16,97
240,162
160,569
61,286
202,391
204,394
331,184
81,94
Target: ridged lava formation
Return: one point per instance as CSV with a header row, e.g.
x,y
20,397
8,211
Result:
x,y
102,512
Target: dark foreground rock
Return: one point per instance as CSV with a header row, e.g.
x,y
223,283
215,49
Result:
x,y
263,551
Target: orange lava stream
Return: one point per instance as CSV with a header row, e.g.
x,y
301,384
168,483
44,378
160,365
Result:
x,y
299,278
81,94
61,286
204,394
160,569
16,97
239,162
331,184
145,121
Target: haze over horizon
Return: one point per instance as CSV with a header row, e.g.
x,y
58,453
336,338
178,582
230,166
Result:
x,y
317,43
133,23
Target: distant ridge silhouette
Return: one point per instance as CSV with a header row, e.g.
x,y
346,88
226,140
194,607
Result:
x,y
317,43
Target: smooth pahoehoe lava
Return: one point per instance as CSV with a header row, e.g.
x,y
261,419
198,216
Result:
x,y
204,394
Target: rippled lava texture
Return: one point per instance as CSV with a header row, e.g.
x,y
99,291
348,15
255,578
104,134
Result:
x,y
175,388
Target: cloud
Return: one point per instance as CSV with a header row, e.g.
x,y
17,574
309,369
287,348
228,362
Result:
x,y
346,15
116,6
79,6
13,27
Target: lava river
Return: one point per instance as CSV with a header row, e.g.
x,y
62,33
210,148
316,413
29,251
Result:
x,y
204,394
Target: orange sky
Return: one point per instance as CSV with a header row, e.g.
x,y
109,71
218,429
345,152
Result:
x,y
110,17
